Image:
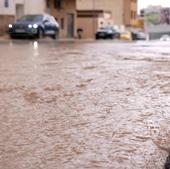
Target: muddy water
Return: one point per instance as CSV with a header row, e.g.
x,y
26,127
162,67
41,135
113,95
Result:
x,y
84,105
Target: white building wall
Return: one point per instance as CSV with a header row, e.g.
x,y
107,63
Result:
x,y
34,6
7,11
19,1
30,7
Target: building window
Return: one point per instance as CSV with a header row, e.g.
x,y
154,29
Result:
x,y
57,4
47,3
6,3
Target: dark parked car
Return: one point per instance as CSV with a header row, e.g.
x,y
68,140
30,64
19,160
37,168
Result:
x,y
35,26
138,36
107,33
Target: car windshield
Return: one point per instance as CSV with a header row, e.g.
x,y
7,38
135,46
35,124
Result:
x,y
106,28
31,18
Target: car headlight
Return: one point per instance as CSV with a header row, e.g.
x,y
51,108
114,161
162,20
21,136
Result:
x,y
35,26
29,26
10,25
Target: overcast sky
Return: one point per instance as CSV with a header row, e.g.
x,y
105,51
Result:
x,y
145,3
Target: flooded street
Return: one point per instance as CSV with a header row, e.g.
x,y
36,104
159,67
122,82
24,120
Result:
x,y
68,105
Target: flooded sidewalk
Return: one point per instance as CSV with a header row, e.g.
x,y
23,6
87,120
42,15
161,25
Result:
x,y
84,105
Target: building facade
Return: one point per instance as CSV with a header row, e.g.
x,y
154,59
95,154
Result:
x,y
65,13
74,15
6,14
14,9
24,7
89,15
130,12
98,13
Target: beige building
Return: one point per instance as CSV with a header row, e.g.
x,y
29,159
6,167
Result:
x,y
14,9
130,12
23,7
88,15
6,13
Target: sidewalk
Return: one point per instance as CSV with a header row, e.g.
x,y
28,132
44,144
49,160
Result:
x,y
4,37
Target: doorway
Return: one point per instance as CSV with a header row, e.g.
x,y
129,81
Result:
x,y
70,25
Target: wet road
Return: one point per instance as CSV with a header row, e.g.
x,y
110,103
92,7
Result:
x,y
84,105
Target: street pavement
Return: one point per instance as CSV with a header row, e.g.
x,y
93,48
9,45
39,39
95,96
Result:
x,y
80,104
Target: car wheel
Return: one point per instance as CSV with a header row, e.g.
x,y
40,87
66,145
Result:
x,y
97,37
111,36
40,34
12,37
55,36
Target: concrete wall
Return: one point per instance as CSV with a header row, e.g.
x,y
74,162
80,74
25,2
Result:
x,y
120,9
30,7
6,15
34,6
116,8
7,11
127,12
157,35
5,20
19,1
130,12
89,26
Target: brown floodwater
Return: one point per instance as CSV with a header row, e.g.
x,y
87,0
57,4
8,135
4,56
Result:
x,y
68,105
